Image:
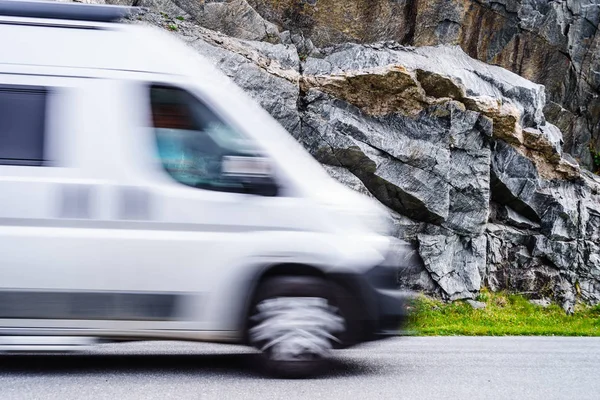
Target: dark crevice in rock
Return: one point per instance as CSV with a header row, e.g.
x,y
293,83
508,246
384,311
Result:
x,y
388,193
515,17
496,6
502,195
411,10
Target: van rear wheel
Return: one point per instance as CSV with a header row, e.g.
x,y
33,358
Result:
x,y
295,324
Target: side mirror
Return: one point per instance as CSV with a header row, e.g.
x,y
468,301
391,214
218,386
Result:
x,y
253,174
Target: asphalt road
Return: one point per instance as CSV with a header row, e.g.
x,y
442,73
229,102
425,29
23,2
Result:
x,y
405,368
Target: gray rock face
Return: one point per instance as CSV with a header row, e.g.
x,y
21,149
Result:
x,y
557,258
236,18
459,151
555,43
166,6
423,139
455,263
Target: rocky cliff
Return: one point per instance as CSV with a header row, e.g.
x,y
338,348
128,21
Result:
x,y
460,151
554,43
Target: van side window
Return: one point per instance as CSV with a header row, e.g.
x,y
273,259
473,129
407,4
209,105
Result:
x,y
192,140
22,125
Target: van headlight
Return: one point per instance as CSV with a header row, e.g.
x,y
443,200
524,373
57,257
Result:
x,y
378,223
373,222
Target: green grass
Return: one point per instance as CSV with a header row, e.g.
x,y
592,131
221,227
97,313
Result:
x,y
504,315
595,159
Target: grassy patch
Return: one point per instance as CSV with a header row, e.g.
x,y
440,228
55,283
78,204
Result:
x,y
595,159
504,315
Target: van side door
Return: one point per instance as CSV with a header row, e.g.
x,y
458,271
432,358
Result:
x,y
46,195
63,240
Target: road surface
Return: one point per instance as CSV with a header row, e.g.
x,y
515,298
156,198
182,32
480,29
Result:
x,y
405,368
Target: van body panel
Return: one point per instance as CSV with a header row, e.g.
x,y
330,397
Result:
x,y
97,238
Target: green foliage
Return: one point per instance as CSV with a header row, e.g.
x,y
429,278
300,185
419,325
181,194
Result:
x,y
180,18
172,27
594,311
595,159
504,314
482,296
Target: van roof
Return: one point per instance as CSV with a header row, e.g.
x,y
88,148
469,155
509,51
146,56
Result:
x,y
64,11
79,47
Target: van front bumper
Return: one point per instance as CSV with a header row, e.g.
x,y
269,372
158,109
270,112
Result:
x,y
379,308
394,306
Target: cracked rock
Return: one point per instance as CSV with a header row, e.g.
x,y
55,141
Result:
x,y
235,18
455,263
553,43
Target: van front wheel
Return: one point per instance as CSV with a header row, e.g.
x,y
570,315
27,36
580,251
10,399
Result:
x,y
295,323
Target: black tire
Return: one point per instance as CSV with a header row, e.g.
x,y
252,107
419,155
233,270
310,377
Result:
x,y
304,364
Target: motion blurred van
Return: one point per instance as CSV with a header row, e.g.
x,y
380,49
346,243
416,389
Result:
x,y
144,196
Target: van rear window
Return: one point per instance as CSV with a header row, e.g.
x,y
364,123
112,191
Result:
x,y
22,125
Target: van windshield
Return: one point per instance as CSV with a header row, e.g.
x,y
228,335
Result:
x,y
192,140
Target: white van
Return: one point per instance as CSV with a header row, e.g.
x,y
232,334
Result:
x,y
144,196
